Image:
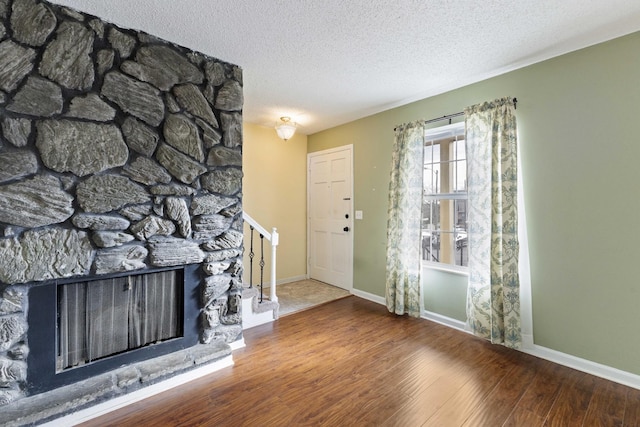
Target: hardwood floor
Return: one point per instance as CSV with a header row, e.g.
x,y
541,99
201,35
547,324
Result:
x,y
351,363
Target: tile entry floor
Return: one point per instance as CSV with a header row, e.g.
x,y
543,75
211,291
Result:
x,y
304,294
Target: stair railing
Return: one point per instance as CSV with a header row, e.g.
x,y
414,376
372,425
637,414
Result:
x,y
273,238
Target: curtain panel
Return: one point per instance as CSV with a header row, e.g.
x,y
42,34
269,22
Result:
x,y
404,220
493,296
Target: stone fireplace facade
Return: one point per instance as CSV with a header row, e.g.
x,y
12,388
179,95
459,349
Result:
x,y
119,152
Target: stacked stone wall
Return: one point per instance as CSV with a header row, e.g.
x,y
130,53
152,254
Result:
x,y
118,152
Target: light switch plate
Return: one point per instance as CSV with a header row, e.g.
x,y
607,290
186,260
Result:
x,y
358,214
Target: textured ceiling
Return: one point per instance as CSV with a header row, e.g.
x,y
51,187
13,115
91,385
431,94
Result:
x,y
328,62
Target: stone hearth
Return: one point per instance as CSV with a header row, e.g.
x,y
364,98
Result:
x,y
119,152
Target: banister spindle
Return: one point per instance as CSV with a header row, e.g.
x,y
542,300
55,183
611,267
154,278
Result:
x,y
251,255
261,266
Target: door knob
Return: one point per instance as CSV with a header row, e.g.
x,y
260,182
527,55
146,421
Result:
x,y
346,229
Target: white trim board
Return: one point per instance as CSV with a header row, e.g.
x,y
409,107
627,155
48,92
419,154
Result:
x,y
111,405
584,365
529,347
237,344
370,297
444,320
291,279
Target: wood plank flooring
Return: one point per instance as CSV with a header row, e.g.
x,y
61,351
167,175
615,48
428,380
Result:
x,y
351,363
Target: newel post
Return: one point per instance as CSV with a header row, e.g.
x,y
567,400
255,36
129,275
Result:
x,y
274,245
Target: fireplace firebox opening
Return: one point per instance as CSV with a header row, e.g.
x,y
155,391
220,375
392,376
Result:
x,y
105,317
87,326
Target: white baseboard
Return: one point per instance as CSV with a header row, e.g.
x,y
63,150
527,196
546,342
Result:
x,y
529,347
527,342
238,344
444,320
577,363
584,365
291,279
370,297
434,317
103,408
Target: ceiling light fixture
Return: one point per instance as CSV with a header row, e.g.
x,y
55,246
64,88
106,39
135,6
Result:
x,y
285,128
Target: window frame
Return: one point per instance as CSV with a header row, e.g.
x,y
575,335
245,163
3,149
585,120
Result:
x,y
455,130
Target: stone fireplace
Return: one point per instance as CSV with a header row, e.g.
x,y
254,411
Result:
x,y
120,162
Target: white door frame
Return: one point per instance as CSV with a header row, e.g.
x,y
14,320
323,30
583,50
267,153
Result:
x,y
350,220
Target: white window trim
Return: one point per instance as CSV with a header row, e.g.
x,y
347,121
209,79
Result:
x,y
441,132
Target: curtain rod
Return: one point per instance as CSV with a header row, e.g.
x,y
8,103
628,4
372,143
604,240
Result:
x,y
450,116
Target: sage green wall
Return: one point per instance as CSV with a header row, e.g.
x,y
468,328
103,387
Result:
x,y
579,148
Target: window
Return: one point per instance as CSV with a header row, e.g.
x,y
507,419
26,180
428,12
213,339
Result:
x,y
444,203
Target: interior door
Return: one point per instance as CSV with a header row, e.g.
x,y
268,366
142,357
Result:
x,y
330,208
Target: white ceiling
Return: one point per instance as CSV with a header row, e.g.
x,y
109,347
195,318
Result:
x,y
328,62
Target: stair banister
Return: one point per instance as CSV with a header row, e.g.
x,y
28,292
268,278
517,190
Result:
x,y
274,239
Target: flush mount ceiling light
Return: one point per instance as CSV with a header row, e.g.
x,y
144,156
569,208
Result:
x,y
285,128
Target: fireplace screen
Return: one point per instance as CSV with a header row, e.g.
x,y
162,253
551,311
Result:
x,y
100,318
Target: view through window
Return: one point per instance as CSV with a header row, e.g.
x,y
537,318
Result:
x,y
444,203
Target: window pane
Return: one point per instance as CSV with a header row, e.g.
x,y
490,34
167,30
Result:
x,y
461,215
427,214
430,246
431,169
446,226
428,154
458,167
444,209
462,247
460,149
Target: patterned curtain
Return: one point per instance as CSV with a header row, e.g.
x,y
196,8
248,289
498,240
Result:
x,y
404,220
493,296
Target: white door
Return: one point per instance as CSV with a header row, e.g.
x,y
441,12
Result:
x,y
330,209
